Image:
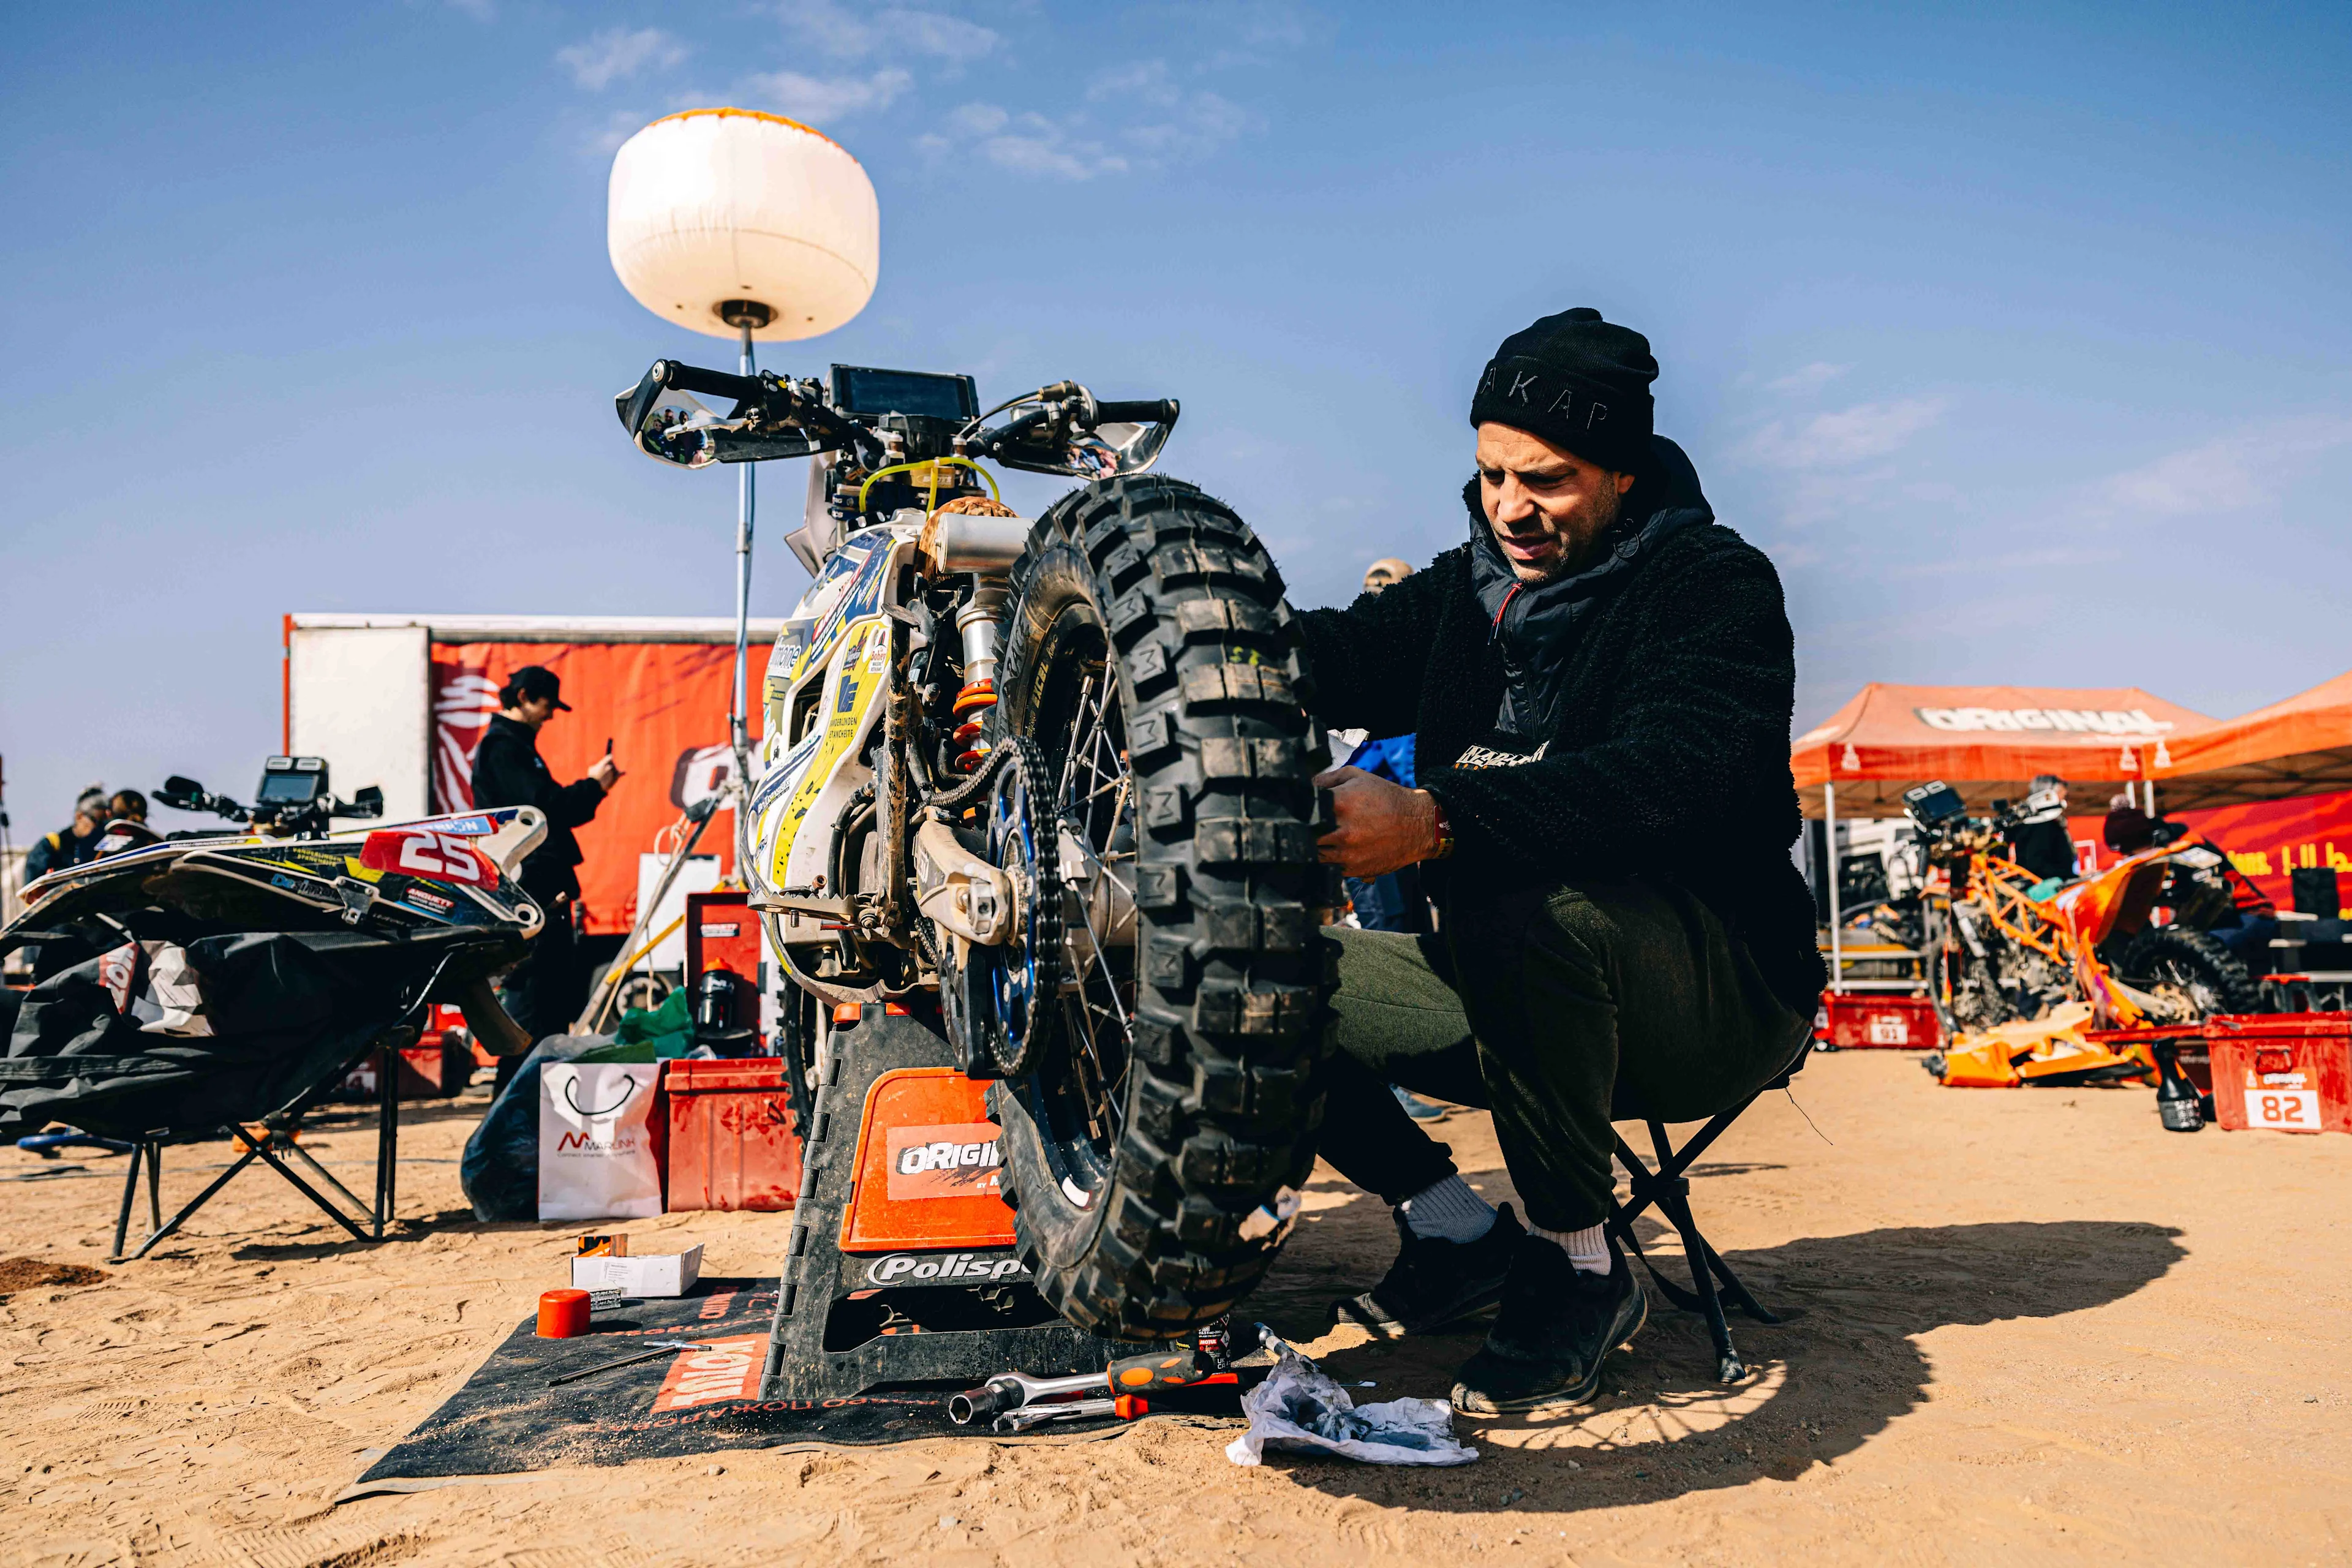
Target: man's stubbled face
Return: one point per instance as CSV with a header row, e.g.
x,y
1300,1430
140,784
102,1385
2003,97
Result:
x,y
1546,505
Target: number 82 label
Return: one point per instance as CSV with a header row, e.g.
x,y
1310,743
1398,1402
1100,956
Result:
x,y
2283,1109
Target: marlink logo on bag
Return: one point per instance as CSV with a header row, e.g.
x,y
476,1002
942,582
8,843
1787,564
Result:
x,y
956,1269
2069,720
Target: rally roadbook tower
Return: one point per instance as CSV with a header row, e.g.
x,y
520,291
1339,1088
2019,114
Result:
x,y
901,1270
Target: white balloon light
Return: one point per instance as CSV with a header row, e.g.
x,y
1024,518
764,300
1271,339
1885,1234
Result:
x,y
717,209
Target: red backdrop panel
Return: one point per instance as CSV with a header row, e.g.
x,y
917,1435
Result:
x,y
2266,841
663,704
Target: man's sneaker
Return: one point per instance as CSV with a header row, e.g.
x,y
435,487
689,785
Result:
x,y
1557,1325
1434,1282
1420,1109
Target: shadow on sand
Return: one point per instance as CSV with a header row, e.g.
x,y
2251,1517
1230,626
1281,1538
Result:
x,y
1843,1366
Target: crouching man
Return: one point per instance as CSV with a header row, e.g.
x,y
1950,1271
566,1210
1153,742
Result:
x,y
1602,679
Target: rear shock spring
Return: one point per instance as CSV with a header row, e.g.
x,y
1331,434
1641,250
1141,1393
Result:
x,y
978,622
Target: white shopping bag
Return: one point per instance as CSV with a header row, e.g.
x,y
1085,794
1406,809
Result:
x,y
596,1146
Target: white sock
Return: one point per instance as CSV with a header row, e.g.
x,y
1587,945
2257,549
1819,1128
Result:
x,y
1587,1249
1447,1210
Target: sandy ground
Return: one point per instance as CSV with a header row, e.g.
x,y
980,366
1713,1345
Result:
x,y
2026,1325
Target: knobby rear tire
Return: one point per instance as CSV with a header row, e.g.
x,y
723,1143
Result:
x,y
1232,972
2198,959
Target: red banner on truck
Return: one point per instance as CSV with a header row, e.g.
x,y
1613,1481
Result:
x,y
663,705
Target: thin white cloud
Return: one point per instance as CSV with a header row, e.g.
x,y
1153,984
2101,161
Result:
x,y
618,127
479,10
848,33
1145,81
820,99
1185,122
1024,143
1845,437
2236,472
1808,377
603,58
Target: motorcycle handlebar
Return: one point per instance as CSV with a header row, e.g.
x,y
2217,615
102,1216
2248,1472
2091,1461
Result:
x,y
1138,411
711,382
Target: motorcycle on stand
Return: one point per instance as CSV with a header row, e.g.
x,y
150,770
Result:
x,y
1044,787
2131,943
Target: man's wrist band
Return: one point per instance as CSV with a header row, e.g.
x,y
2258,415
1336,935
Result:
x,y
1443,827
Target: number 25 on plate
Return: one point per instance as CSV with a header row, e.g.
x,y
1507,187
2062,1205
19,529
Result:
x,y
419,852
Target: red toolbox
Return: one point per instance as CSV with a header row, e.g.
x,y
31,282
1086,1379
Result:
x,y
2282,1072
732,1144
1856,1020
427,1072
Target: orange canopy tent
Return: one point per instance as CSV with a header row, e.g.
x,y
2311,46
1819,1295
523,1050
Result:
x,y
2299,747
1986,742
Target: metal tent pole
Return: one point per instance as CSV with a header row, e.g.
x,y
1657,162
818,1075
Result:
x,y
1829,833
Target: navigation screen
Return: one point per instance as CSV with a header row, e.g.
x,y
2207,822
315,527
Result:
x,y
288,789
856,389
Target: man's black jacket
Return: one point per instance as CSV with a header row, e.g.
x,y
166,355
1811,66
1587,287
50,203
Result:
x,y
507,772
1669,751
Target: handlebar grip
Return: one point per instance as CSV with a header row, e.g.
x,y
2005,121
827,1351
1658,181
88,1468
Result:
x,y
712,382
1138,411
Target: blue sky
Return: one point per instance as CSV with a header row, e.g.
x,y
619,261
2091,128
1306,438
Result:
x,y
2021,336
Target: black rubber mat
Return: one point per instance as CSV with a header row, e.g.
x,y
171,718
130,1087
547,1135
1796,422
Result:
x,y
506,1419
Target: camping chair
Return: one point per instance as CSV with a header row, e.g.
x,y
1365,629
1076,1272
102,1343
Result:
x,y
275,1138
1668,1189
278,1133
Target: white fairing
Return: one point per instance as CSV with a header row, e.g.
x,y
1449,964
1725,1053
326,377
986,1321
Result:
x,y
824,700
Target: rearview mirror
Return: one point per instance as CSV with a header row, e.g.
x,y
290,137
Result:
x,y
1125,448
367,802
182,794
668,423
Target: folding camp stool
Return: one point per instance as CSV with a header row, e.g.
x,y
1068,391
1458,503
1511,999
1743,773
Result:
x,y
276,1139
1667,1188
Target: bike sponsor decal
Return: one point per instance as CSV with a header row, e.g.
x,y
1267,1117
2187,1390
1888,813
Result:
x,y
853,711
729,1370
431,903
466,827
2060,721
421,852
952,1269
959,1161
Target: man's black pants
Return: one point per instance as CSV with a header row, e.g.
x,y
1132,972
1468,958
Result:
x,y
544,992
1532,1008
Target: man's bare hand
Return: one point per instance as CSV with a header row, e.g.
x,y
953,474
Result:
x,y
1381,827
603,772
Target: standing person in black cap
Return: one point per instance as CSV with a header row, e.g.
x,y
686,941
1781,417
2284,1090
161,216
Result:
x,y
545,990
1601,679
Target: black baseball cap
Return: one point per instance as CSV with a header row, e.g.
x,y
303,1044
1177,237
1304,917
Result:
x,y
537,680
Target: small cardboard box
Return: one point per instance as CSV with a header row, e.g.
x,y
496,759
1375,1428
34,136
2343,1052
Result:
x,y
658,1274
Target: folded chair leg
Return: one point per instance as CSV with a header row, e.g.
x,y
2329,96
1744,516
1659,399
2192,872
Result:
x,y
130,1195
262,1151
1676,1201
387,1140
155,1156
1735,1293
326,1176
154,1189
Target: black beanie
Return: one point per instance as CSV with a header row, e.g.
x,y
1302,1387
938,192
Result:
x,y
1577,381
